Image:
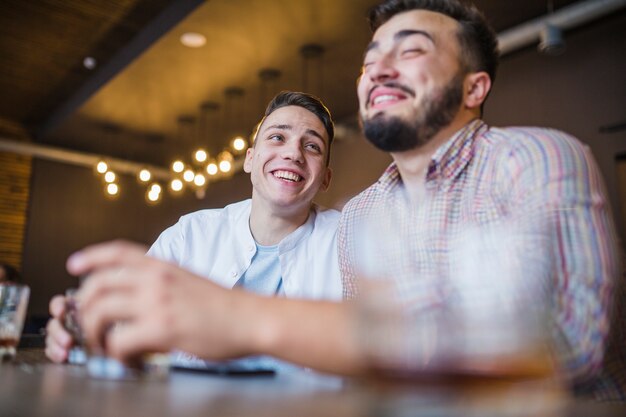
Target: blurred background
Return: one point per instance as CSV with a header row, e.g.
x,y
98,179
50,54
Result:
x,y
140,84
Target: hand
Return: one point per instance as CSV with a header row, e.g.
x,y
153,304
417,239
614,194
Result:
x,y
133,304
58,340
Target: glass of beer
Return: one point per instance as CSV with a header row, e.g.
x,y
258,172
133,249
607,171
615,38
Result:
x,y
13,305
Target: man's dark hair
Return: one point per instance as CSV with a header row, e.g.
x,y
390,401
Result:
x,y
10,274
308,102
477,40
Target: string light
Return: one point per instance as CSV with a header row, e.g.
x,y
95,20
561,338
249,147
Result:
x,y
189,175
102,167
178,166
144,175
212,169
199,180
155,188
201,155
176,185
225,166
225,159
238,144
112,189
109,176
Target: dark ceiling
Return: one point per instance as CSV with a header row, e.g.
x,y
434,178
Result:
x,y
130,105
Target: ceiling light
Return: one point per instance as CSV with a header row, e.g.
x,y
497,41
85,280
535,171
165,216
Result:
x,y
112,189
239,144
102,167
189,175
211,169
199,180
178,166
201,155
155,188
193,39
176,185
90,62
144,175
109,176
153,197
225,166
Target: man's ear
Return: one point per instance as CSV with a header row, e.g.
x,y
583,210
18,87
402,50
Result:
x,y
477,86
247,163
326,182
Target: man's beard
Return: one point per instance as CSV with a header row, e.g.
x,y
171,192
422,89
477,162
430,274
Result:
x,y
393,134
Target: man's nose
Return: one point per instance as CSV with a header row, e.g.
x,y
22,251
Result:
x,y
382,69
293,152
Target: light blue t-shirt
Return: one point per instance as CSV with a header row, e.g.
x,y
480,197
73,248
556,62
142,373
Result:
x,y
263,276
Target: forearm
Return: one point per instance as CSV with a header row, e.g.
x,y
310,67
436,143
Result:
x,y
314,334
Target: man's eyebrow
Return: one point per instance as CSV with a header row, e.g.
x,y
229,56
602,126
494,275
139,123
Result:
x,y
316,134
401,35
410,32
289,127
279,127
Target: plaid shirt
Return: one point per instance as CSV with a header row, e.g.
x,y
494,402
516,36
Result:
x,y
484,175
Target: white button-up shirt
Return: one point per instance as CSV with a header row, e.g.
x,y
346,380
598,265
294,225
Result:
x,y
218,244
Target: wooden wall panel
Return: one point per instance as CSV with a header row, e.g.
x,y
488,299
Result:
x,y
14,194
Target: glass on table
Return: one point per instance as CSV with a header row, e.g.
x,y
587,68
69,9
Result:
x,y
98,364
13,305
77,354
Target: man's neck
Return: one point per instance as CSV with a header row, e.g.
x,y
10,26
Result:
x,y
413,164
269,227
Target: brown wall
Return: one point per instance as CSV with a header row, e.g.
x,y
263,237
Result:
x,y
68,210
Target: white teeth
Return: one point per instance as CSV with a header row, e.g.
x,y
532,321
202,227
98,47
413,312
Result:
x,y
287,175
383,98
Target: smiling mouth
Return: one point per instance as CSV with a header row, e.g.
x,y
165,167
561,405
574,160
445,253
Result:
x,y
287,176
385,98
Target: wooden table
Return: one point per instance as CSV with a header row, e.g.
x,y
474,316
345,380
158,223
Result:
x,y
33,387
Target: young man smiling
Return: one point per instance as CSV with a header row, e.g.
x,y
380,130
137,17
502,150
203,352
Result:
x,y
426,76
276,243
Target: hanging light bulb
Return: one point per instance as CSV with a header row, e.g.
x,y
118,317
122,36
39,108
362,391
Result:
x,y
102,167
176,185
153,197
112,189
155,188
212,168
110,176
189,175
199,180
144,175
178,166
238,144
225,159
225,166
201,155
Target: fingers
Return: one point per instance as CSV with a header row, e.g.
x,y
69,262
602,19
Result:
x,y
57,306
58,341
104,312
133,339
104,255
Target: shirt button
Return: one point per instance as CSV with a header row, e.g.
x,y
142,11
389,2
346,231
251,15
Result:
x,y
234,273
250,248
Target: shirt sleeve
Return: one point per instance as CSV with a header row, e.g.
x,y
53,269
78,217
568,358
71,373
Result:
x,y
170,245
554,176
